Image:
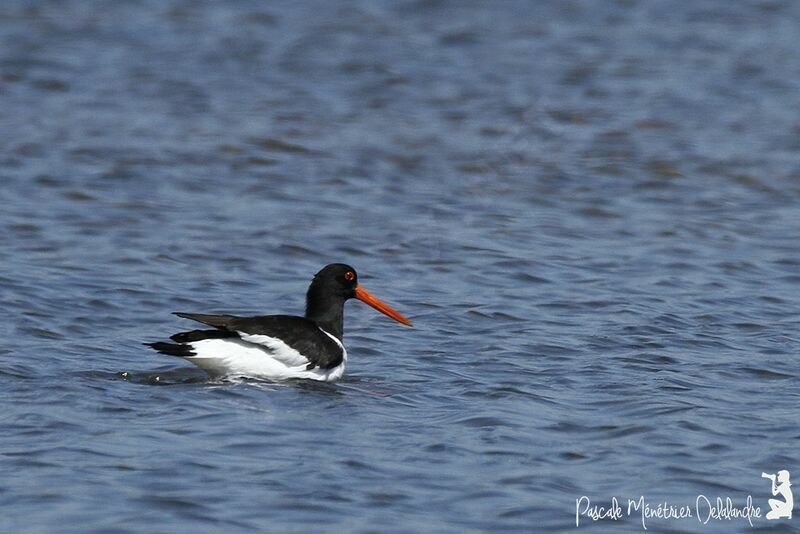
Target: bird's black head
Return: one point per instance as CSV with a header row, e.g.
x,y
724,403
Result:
x,y
337,280
329,290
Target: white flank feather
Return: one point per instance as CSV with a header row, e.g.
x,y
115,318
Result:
x,y
259,356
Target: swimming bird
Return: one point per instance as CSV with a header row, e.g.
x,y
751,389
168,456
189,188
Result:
x,y
280,347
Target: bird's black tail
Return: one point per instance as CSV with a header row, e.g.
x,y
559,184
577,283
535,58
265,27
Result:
x,y
173,349
199,335
182,346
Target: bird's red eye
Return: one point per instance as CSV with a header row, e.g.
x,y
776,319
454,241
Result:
x,y
349,276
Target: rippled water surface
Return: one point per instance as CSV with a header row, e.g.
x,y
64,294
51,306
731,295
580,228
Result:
x,y
591,211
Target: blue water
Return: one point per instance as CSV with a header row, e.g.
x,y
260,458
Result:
x,y
591,212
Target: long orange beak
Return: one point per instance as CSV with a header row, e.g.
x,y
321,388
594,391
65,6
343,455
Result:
x,y
364,296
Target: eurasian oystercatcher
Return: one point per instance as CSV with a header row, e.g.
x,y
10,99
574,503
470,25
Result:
x,y
280,347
